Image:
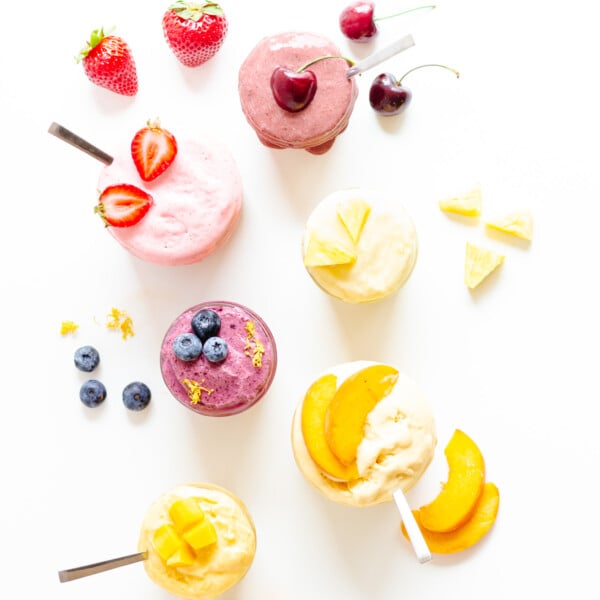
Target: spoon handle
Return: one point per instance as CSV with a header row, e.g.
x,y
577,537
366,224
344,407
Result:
x,y
381,55
99,567
71,138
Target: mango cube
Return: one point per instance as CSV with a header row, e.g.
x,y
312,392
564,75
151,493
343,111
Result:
x,y
183,557
201,535
185,512
518,223
353,214
167,541
322,252
479,263
467,204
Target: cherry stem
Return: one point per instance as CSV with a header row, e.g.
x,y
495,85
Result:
x,y
320,58
428,65
403,12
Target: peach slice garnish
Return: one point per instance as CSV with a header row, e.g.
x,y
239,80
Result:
x,y
314,409
459,495
348,409
480,522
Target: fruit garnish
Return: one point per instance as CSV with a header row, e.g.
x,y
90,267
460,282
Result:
x,y
86,358
108,62
327,252
467,535
215,349
153,149
92,393
253,347
201,535
194,390
195,31
67,327
119,319
166,541
206,323
123,205
518,223
353,213
186,512
466,475
467,204
294,90
389,97
182,557
136,396
479,263
187,347
358,23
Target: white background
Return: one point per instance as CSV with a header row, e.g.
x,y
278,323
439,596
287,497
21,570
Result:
x,y
513,365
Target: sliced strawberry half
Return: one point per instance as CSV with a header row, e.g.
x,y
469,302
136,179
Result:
x,y
153,149
123,205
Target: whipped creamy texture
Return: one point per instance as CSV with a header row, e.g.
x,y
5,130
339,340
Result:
x,y
315,127
231,386
197,201
386,251
217,568
398,445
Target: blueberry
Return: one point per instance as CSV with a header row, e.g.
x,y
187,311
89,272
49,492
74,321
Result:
x,y
92,393
86,358
215,349
187,346
206,323
136,396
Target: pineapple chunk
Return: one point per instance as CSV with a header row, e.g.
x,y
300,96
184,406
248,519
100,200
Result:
x,y
325,253
467,204
183,557
353,214
201,535
479,263
518,223
167,541
185,512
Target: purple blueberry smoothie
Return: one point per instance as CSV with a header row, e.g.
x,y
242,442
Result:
x,y
231,385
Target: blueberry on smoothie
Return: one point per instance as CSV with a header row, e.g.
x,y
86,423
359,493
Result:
x,y
86,358
92,393
187,346
136,395
206,323
215,349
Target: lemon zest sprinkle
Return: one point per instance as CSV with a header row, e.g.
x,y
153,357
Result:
x,y
194,390
119,319
253,347
68,327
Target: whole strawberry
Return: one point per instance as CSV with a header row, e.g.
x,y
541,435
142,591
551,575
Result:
x,y
194,30
108,62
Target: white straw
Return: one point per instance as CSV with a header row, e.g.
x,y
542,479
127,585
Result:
x,y
412,528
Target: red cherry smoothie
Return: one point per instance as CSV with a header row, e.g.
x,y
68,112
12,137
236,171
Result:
x,y
233,385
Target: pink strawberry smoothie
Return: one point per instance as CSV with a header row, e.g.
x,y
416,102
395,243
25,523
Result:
x,y
197,201
231,386
314,128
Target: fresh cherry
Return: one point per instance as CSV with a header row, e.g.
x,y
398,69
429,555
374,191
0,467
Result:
x,y
294,90
358,23
387,95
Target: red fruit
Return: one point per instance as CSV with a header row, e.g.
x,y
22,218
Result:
x,y
108,62
293,90
356,21
194,30
153,149
123,205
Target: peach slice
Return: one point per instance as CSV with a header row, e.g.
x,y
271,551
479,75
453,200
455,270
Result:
x,y
471,532
348,410
314,409
456,501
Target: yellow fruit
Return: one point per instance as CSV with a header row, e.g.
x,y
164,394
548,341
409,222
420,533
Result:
x,y
353,214
519,224
348,409
459,495
479,263
471,532
167,541
467,204
327,252
314,410
201,535
183,557
185,512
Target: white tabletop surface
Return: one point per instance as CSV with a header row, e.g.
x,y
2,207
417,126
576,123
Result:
x,y
514,364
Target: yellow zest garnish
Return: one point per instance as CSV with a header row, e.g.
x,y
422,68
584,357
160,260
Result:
x,y
194,390
118,319
68,327
255,351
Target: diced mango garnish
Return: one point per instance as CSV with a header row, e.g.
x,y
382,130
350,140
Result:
x,y
167,541
467,204
479,263
186,512
201,535
183,557
353,214
327,252
518,223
